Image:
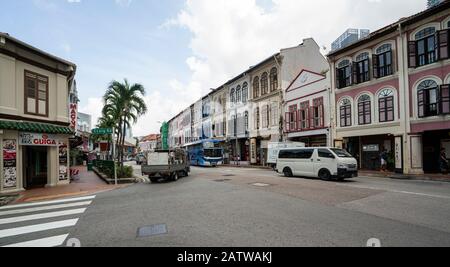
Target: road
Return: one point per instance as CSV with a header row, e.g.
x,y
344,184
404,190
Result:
x,y
229,207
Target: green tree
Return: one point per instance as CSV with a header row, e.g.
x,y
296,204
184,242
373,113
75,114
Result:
x,y
124,104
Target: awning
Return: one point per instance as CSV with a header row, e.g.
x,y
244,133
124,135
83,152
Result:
x,y
34,127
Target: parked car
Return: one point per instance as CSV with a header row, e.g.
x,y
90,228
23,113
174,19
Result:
x,y
324,163
167,165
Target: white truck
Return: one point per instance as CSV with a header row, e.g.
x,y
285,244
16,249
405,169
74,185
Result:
x,y
166,164
274,148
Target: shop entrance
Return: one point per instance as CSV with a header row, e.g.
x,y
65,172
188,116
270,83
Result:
x,y
35,164
433,141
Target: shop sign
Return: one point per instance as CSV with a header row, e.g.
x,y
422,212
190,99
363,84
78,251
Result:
x,y
371,148
36,139
63,161
9,163
73,116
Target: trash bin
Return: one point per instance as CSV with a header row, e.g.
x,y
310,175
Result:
x,y
90,165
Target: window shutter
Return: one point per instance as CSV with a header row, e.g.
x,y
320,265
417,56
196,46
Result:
x,y
295,113
375,62
311,118
338,79
355,71
442,43
322,115
421,103
412,54
444,99
288,122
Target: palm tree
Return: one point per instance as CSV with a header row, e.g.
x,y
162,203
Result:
x,y
124,103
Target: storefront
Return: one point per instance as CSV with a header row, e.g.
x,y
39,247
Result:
x,y
433,142
367,150
33,155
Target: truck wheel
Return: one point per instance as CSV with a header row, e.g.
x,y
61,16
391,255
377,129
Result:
x,y
186,173
175,176
154,180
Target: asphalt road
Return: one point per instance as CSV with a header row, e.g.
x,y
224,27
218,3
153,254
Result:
x,y
230,207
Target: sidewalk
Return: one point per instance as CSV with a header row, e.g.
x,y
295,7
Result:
x,y
391,175
87,183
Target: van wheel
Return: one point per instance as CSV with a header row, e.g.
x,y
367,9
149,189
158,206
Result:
x,y
325,175
287,172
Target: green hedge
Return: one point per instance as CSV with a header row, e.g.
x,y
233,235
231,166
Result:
x,y
107,167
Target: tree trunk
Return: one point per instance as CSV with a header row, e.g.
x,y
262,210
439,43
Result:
x,y
123,140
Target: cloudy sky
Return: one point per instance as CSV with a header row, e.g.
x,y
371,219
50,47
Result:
x,y
179,49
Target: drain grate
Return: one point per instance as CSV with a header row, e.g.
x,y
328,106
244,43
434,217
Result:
x,y
152,230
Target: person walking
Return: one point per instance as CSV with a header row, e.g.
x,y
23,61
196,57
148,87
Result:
x,y
384,159
443,161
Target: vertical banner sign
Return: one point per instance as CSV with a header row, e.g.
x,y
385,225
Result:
x,y
9,164
398,154
63,166
73,116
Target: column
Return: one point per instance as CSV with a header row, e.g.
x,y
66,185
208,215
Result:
x,y
415,155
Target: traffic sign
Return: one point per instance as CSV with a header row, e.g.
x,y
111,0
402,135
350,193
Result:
x,y
102,131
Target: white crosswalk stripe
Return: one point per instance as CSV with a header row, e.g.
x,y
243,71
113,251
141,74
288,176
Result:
x,y
40,224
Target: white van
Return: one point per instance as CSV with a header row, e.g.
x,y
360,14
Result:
x,y
274,148
322,162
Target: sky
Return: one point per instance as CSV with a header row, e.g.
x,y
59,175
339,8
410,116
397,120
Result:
x,y
180,49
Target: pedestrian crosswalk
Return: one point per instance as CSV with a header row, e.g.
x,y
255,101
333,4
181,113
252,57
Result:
x,y
40,224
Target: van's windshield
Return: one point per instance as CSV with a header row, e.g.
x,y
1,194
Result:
x,y
341,153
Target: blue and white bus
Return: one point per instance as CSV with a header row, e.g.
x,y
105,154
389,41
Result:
x,y
205,153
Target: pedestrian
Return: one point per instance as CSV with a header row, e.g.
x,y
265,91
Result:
x,y
443,162
384,159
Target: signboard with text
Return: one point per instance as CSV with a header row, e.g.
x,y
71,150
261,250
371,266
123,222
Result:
x,y
73,109
37,139
102,131
9,163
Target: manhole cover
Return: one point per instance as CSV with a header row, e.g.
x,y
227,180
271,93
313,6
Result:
x,y
222,180
261,184
146,231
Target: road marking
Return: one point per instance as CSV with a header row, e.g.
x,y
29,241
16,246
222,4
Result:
x,y
46,202
54,207
53,241
41,216
37,228
397,191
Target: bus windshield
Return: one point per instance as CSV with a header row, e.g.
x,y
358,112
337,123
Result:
x,y
213,153
341,153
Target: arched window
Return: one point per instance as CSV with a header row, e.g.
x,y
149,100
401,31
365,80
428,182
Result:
x,y
264,83
364,110
273,79
344,74
346,113
232,96
256,87
427,97
238,94
383,61
425,33
245,93
362,68
426,46
386,105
